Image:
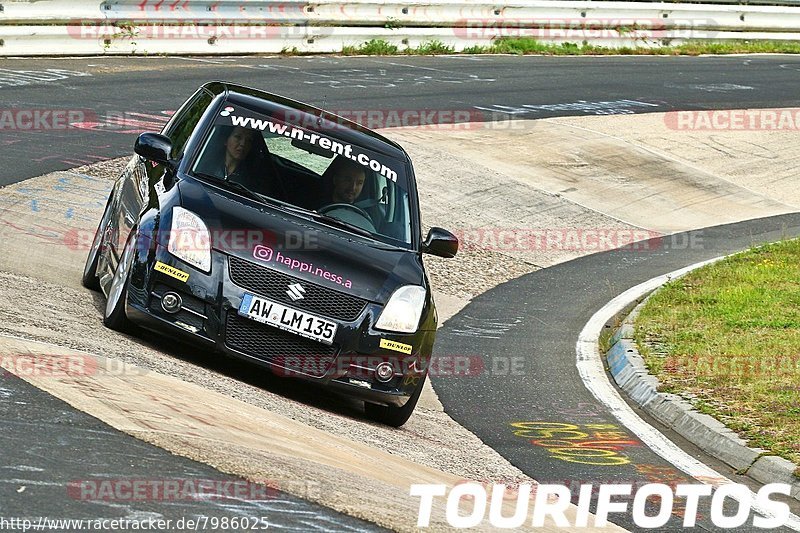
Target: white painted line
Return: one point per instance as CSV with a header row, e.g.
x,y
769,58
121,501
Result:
x,y
590,367
469,77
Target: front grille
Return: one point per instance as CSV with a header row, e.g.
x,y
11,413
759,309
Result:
x,y
273,345
273,285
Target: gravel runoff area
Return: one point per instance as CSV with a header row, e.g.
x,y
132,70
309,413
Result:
x,y
456,193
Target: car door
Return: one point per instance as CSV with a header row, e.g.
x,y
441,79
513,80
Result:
x,y
142,179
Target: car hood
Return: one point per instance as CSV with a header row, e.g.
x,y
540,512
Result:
x,y
299,247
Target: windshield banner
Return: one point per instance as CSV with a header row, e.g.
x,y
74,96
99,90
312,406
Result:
x,y
238,116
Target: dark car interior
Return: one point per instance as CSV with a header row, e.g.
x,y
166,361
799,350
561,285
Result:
x,y
252,172
309,185
310,190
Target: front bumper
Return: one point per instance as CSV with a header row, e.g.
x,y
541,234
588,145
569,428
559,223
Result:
x,y
208,317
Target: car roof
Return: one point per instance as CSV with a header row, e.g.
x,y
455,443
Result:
x,y
346,130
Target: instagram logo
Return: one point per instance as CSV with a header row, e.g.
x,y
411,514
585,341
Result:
x,y
262,252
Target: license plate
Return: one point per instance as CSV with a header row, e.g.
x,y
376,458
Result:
x,y
288,319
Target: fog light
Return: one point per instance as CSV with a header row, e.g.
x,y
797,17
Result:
x,y
384,372
171,302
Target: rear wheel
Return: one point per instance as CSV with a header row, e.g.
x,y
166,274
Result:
x,y
391,415
89,279
115,317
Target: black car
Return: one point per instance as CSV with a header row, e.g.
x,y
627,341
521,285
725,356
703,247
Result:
x,y
279,233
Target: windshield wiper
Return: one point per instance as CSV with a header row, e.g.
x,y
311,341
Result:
x,y
342,224
238,187
307,213
358,230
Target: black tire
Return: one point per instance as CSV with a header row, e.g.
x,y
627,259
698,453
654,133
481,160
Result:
x,y
114,316
391,415
89,279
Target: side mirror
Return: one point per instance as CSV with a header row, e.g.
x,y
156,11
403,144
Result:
x,y
154,147
440,242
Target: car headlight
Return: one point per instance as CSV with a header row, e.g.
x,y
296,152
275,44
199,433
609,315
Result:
x,y
403,311
188,239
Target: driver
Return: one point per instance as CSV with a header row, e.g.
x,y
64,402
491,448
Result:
x,y
346,184
348,181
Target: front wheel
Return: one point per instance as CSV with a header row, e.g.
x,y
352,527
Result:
x,y
115,317
89,279
391,415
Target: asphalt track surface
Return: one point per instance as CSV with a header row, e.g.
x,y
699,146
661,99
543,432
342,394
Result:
x,y
122,96
60,463
537,317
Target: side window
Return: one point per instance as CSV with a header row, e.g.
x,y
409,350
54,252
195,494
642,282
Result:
x,y
382,192
182,126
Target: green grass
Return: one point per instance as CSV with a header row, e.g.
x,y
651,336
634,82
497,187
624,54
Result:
x,y
432,48
728,336
375,47
380,47
741,47
531,46
528,46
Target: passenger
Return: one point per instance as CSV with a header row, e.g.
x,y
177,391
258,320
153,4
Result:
x,y
240,155
238,145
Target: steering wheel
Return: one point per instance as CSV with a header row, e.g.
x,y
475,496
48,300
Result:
x,y
331,207
368,224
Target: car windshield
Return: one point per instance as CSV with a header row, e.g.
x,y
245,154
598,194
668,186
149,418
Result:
x,y
338,183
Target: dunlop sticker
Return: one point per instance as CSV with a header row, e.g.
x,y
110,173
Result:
x,y
396,346
172,271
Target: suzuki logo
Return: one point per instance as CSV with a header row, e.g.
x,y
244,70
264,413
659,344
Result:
x,y
296,292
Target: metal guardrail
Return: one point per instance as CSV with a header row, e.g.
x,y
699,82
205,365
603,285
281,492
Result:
x,y
70,27
353,12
